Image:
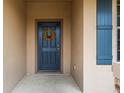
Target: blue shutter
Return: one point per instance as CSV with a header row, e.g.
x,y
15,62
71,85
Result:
x,y
104,32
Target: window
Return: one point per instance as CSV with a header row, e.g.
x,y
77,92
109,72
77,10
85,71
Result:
x,y
118,30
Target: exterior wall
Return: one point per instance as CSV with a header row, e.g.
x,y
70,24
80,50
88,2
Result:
x,y
116,70
14,43
97,78
48,10
116,65
77,42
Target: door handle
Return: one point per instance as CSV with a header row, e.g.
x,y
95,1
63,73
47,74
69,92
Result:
x,y
58,48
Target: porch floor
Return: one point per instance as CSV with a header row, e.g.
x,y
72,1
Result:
x,y
47,83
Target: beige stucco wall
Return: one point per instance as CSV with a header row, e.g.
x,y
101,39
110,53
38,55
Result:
x,y
48,10
77,42
97,79
116,70
14,47
116,65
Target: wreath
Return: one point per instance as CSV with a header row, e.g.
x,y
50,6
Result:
x,y
48,36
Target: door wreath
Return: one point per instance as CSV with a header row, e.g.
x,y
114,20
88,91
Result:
x,y
49,34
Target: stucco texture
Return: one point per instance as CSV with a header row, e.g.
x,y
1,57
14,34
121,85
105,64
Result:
x,y
77,42
97,78
14,46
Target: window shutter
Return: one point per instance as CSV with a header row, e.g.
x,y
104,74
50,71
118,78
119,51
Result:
x,y
104,32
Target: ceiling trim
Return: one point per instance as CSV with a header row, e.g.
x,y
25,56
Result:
x,y
48,0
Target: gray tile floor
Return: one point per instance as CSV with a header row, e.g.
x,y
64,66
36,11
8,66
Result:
x,y
47,83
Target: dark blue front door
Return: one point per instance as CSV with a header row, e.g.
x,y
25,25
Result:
x,y
49,45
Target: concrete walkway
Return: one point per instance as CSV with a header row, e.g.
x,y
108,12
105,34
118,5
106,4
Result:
x,y
47,83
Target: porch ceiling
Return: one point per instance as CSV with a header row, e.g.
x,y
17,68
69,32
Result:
x,y
48,0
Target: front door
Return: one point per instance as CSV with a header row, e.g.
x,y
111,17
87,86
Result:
x,y
49,46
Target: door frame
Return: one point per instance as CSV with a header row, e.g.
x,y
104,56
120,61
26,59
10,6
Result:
x,y
36,29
